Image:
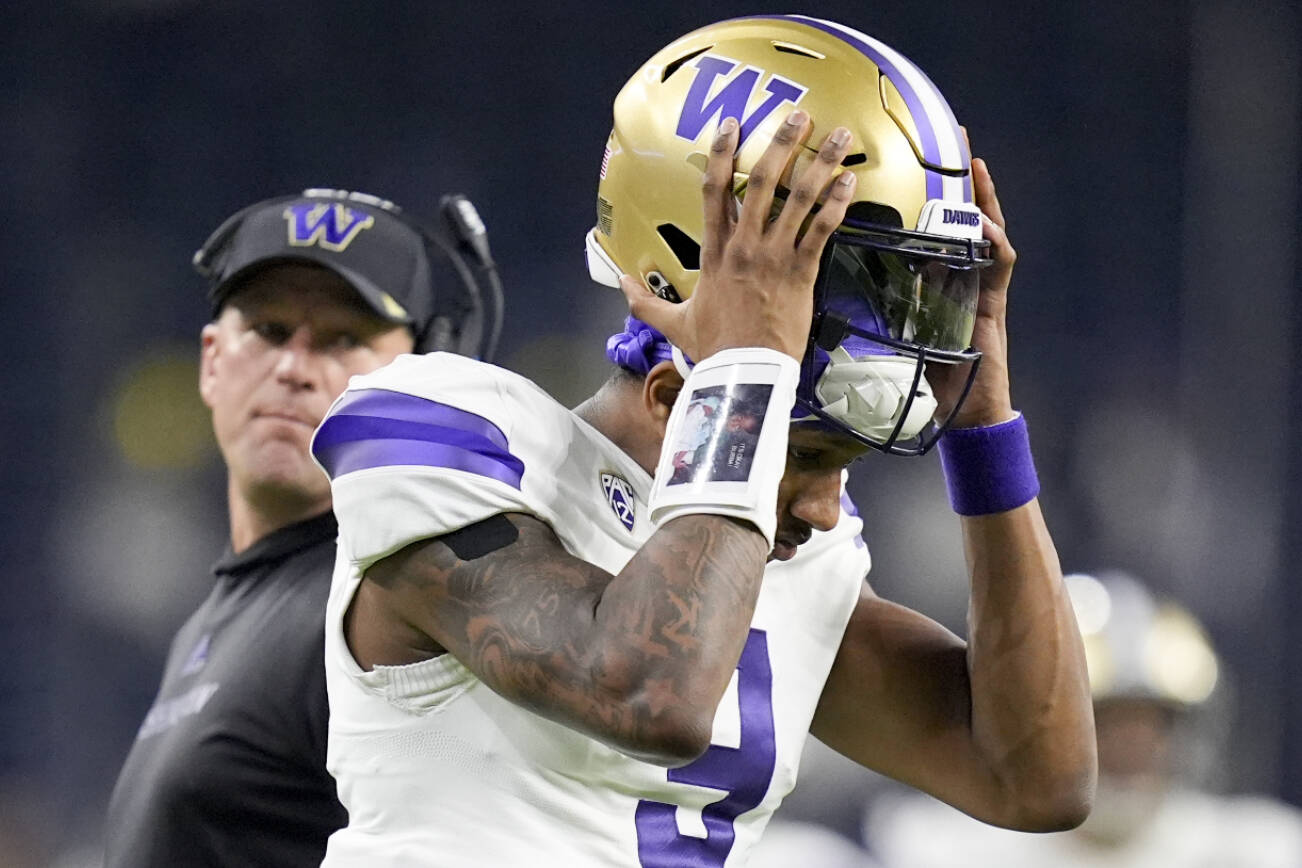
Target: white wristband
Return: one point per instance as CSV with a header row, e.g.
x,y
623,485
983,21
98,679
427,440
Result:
x,y
725,447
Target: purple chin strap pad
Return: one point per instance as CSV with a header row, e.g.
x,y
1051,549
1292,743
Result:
x,y
639,347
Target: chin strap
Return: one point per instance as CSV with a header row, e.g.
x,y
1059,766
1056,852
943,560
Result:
x,y
682,364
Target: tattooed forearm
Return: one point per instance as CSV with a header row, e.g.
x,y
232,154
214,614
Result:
x,y
638,660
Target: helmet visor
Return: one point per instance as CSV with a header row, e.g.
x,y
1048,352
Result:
x,y
904,286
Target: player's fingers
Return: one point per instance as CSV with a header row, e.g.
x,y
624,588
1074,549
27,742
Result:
x,y
716,188
811,183
660,314
1001,248
998,275
763,180
839,193
994,233
983,188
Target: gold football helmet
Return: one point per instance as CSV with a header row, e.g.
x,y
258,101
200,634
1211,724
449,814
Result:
x,y
899,280
1138,646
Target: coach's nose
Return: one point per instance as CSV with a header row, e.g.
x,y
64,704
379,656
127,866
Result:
x,y
296,365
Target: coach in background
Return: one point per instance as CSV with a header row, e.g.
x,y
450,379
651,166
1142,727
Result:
x,y
228,767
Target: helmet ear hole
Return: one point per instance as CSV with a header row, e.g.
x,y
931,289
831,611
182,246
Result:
x,y
687,251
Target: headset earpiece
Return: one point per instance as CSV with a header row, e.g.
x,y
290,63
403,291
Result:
x,y
469,241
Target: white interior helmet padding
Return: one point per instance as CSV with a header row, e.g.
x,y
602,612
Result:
x,y
869,393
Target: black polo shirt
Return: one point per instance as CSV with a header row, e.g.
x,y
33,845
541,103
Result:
x,y
228,767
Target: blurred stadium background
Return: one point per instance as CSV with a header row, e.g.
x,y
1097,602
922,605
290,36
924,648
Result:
x,y
1146,154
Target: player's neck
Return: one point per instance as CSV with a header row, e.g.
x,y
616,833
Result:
x,y
616,411
255,516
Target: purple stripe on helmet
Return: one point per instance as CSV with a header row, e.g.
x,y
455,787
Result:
x,y
930,147
639,347
431,435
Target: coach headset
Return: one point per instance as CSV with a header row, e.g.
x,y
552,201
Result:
x,y
457,325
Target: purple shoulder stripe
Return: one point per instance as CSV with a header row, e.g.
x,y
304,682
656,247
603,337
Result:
x,y
379,428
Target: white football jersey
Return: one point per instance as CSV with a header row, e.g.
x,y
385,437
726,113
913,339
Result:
x,y
438,770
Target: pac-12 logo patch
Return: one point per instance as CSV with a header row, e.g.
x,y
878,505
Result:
x,y
619,497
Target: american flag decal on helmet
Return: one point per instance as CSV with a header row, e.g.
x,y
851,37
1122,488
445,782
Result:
x,y
605,162
619,497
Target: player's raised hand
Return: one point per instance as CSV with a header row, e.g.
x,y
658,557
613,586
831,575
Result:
x,y
757,272
989,402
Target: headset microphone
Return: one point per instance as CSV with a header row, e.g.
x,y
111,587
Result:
x,y
471,240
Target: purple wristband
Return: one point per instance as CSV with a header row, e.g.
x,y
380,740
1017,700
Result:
x,y
990,469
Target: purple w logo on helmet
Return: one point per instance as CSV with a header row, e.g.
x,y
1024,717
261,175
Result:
x,y
699,108
329,225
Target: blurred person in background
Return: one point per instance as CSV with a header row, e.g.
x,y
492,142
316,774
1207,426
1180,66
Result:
x,y
228,767
543,650
1153,674
800,843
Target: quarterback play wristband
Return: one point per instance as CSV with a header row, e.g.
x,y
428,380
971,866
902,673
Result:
x,y
990,469
726,442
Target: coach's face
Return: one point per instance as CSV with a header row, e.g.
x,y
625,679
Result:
x,y
281,351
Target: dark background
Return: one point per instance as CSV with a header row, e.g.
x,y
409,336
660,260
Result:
x,y
1146,156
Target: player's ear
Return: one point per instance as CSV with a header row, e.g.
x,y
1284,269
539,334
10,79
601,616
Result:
x,y
659,392
208,346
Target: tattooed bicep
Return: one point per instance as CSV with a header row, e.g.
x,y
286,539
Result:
x,y
564,638
505,569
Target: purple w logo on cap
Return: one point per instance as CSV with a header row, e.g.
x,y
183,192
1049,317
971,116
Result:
x,y
731,100
329,225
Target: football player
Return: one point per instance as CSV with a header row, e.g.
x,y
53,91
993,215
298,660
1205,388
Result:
x,y
554,640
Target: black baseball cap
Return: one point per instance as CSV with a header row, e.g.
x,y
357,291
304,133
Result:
x,y
364,239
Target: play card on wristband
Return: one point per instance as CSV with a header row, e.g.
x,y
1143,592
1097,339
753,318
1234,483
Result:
x,y
725,446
